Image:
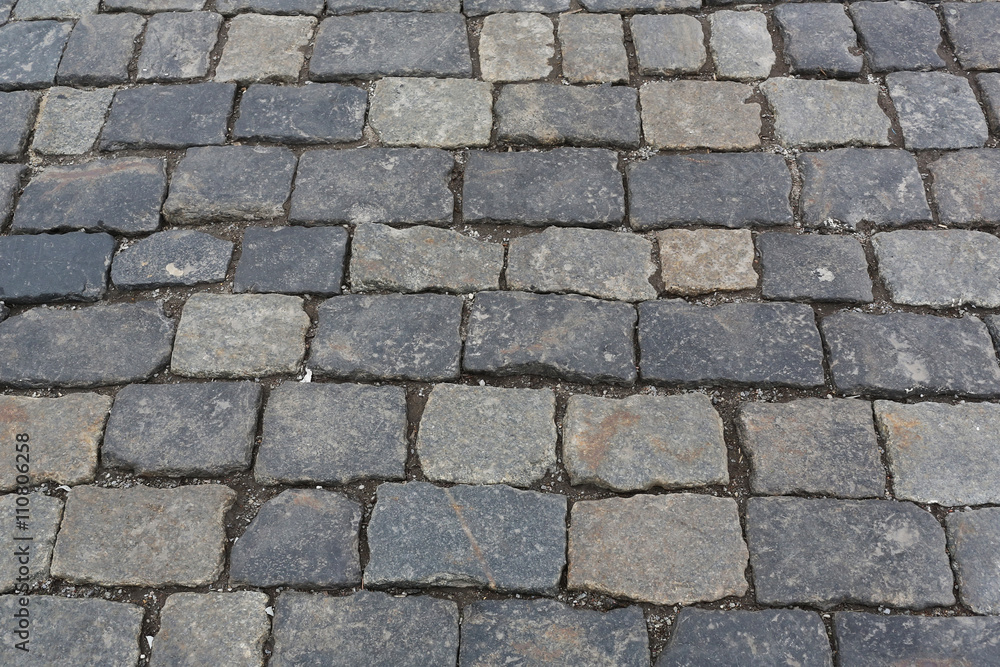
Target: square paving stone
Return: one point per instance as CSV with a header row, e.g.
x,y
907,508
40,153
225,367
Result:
x,y
942,454
388,337
419,259
99,50
870,640
741,45
491,537
332,434
30,52
38,268
816,114
974,541
295,260
213,628
989,86
592,47
69,120
766,637
27,10
10,183
516,47
731,190
901,354
17,118
149,6
318,113
487,435
29,529
178,46
443,113
899,34
819,38
183,430
240,335
700,114
549,114
570,337
763,344
169,116
641,441
815,446
973,30
175,257
365,628
88,347
937,110
501,632
668,44
696,261
964,186
811,267
265,48
302,538
870,552
670,549
373,185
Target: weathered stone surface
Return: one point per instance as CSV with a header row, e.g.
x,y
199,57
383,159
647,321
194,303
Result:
x,y
373,185
146,536
963,186
640,5
10,182
570,337
738,190
668,43
265,48
217,628
767,637
30,52
974,541
229,7
301,538
178,45
443,113
667,549
99,50
592,48
741,45
706,260
422,258
89,347
870,640
516,47
391,337
502,632
764,344
295,260
149,6
814,114
549,114
487,435
353,6
29,530
332,434
899,34
69,120
240,335
860,551
27,10
169,116
900,354
183,430
175,257
699,114
973,31
819,38
38,268
937,110
364,628
814,267
17,117
319,113
989,86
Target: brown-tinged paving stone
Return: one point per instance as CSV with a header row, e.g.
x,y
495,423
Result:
x,y
313,114
592,48
819,114
99,50
669,549
265,48
175,257
177,116
874,640
682,115
30,52
441,113
212,629
819,39
937,110
964,186
516,47
741,45
668,44
39,514
973,30
177,46
696,261
293,260
974,541
814,267
17,118
69,120
145,536
38,268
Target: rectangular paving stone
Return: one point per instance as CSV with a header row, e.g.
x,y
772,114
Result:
x,y
819,38
741,45
229,7
27,10
30,53
10,183
293,260
442,113
593,48
332,434
177,46
870,640
314,114
38,268
175,257
570,337
265,48
700,114
989,87
175,116
219,628
17,118
99,50
820,114
668,44
814,267
516,47
973,30
901,354
146,536
974,541
869,552
937,110
490,536
963,186
30,522
731,190
697,261
899,34
763,344
480,7
665,549
69,120
149,6
183,430
353,6
640,5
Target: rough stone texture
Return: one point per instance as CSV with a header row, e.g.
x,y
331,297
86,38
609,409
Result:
x,y
706,260
352,6
816,114
89,347
549,114
301,538
869,640
148,6
963,186
28,539
295,260
212,628
17,117
318,113
766,637
480,7
332,434
169,116
901,354
741,45
240,335
668,44
265,48
175,257
640,5
819,38
38,268
146,536
183,430
592,48
871,552
989,86
373,185
642,441
177,46
10,182
487,435
503,632
27,10
814,267
974,541
443,113
228,7
365,628
99,50
668,549
69,120
937,110
764,344
516,47
716,189
699,114
30,52
574,338
898,34
600,263
491,537
973,31
422,258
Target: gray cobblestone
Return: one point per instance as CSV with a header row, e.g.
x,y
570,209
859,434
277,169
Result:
x,y
480,7
30,53
814,267
668,44
10,181
640,5
741,45
17,117
99,50
974,541
899,34
937,110
819,38
700,114
176,257
38,268
44,513
352,6
69,120
149,6
292,260
265,48
228,7
962,187
320,113
697,261
177,46
868,640
817,114
972,29
989,86
169,116
516,47
592,48
219,628
443,113
27,10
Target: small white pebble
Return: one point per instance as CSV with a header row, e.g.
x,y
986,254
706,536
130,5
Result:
x,y
269,611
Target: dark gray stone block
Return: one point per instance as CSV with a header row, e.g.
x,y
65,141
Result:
x,y
30,53
899,34
17,117
150,6
4,312
229,7
937,110
964,186
212,628
575,338
902,354
819,38
177,46
293,260
175,257
10,183
974,541
814,268
5,7
566,186
480,7
169,116
989,85
640,5
99,50
490,536
38,268
870,640
315,114
973,30
668,44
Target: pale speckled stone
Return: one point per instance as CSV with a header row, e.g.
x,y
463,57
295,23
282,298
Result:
x,y
27,10
700,114
813,114
69,120
668,44
876,640
443,113
741,45
706,260
974,541
937,110
516,47
593,48
265,48
177,46
212,629
965,186
41,516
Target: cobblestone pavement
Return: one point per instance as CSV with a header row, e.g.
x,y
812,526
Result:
x,y
499,332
